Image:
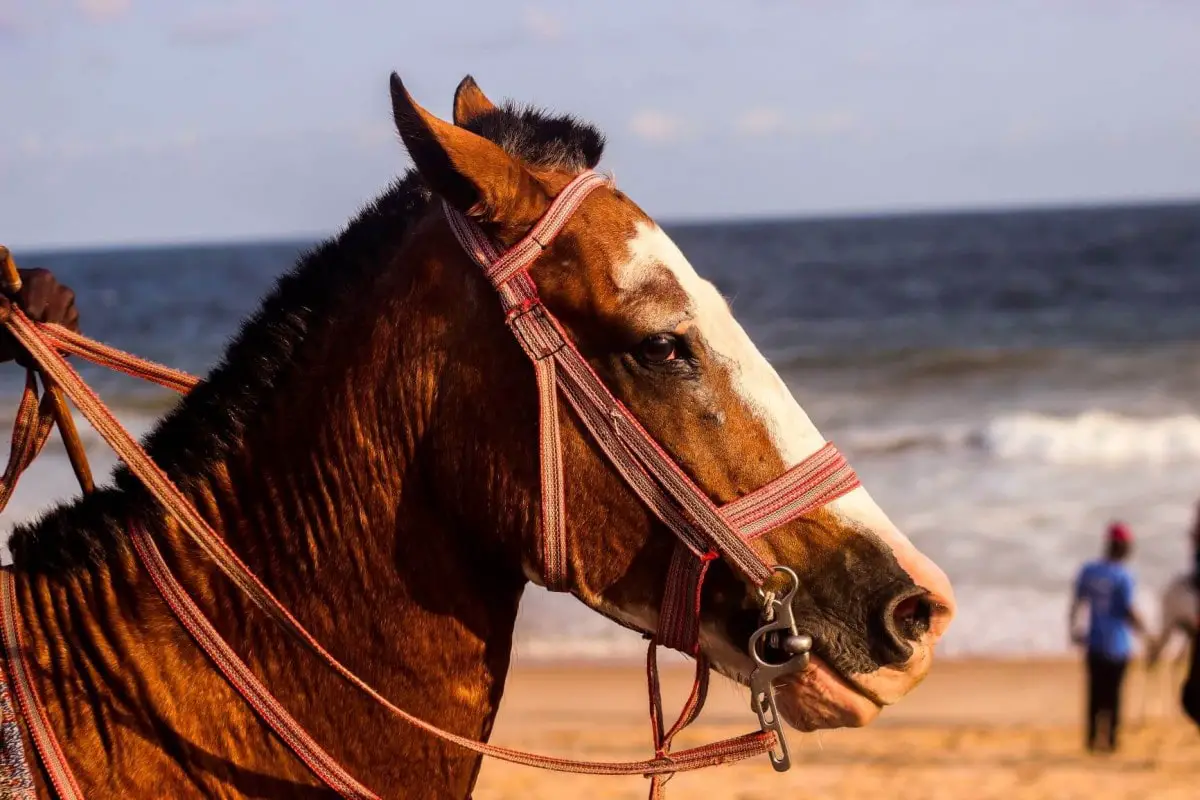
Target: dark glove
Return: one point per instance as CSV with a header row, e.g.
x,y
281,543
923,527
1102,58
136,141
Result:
x,y
43,299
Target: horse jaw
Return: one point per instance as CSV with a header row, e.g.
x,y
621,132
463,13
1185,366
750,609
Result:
x,y
818,698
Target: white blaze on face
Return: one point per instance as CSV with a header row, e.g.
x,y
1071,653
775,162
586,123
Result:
x,y
754,379
790,430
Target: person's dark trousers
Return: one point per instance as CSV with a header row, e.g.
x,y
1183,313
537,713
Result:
x,y
1105,676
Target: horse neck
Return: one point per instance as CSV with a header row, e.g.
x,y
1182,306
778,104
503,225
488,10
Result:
x,y
334,502
332,499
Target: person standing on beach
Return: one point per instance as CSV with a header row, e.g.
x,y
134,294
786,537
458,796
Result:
x,y
1105,586
1181,614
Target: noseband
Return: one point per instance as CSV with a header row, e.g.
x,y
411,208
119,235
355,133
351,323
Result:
x,y
704,530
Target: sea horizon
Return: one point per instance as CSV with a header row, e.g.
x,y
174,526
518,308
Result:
x,y
671,222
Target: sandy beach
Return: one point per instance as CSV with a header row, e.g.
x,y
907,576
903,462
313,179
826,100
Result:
x,y
975,729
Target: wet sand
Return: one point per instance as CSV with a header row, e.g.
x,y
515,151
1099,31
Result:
x,y
974,729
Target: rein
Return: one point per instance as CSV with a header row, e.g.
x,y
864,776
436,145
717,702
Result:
x,y
705,531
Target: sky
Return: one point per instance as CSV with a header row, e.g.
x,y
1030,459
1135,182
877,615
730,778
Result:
x,y
146,121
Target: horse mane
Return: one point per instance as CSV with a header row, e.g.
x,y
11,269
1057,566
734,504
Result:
x,y
208,425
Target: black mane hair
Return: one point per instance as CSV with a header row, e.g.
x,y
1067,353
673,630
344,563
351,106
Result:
x,y
208,424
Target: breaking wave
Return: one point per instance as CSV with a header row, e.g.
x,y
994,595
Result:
x,y
1093,437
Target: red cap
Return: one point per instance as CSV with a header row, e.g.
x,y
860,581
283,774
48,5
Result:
x,y
1118,532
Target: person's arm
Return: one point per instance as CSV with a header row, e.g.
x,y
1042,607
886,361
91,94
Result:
x,y
1131,615
1077,602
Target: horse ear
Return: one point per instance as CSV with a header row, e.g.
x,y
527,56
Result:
x,y
471,173
470,102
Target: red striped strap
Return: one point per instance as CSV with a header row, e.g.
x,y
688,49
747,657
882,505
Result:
x,y
508,273
42,350
40,731
241,678
31,429
813,483
68,341
649,470
679,620
704,531
646,467
691,710
542,338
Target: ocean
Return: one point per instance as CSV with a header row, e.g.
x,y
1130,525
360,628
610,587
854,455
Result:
x,y
1005,384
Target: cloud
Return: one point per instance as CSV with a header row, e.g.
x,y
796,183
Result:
x,y
104,10
542,25
222,25
765,121
657,127
760,122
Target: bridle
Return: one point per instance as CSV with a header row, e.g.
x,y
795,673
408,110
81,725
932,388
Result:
x,y
705,531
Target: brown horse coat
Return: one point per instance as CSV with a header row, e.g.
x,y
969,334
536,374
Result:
x,y
368,447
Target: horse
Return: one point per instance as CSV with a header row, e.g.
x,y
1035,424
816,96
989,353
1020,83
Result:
x,y
369,446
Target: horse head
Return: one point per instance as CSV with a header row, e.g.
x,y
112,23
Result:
x,y
667,345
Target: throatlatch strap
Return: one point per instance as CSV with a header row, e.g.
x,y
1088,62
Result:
x,y
518,297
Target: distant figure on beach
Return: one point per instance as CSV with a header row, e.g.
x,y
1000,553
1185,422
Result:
x,y
1181,614
1105,586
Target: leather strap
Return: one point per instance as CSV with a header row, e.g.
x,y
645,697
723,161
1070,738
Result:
x,y
704,530
239,675
646,467
653,474
40,731
42,348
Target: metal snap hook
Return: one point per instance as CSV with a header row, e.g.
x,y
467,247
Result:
x,y
779,632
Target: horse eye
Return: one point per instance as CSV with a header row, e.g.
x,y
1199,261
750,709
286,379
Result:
x,y
658,349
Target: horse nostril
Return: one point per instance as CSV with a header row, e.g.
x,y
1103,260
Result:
x,y
912,617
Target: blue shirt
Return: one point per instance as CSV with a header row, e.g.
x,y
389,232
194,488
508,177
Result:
x,y
1107,588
